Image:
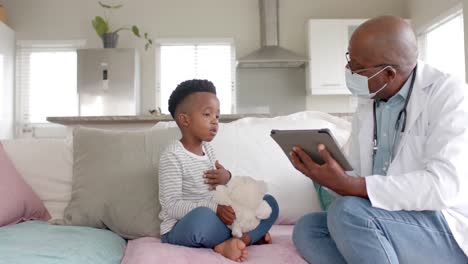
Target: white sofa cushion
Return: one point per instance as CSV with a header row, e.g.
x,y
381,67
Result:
x,y
46,165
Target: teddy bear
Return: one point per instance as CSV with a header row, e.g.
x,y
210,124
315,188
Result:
x,y
245,195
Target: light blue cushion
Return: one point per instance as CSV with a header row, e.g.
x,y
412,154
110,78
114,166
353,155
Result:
x,y
325,198
42,243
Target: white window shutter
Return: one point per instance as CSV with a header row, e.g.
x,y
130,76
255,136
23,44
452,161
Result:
x,y
46,79
198,60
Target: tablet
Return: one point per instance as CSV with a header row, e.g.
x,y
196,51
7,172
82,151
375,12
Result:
x,y
308,140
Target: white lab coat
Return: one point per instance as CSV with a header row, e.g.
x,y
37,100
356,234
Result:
x,y
430,168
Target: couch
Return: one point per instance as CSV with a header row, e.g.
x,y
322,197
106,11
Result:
x,y
50,168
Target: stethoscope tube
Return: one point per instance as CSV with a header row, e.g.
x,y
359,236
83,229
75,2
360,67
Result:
x,y
401,114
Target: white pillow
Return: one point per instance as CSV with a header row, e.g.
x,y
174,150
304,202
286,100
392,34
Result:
x,y
246,148
46,165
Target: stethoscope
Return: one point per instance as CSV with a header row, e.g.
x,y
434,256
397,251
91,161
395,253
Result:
x,y
401,115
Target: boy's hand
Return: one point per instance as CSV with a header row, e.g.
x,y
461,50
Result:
x,y
219,176
226,214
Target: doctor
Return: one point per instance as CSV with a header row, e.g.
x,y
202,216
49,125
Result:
x,y
409,145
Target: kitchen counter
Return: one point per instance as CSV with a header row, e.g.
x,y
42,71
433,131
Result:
x,y
141,121
151,119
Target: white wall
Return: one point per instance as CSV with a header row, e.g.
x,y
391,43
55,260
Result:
x,y
278,91
70,19
425,12
7,50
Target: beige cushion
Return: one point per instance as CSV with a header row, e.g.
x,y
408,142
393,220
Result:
x,y
115,181
50,174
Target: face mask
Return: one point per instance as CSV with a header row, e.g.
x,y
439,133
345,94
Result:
x,y
358,84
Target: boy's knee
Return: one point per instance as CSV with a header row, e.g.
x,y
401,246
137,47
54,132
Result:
x,y
202,211
201,216
204,219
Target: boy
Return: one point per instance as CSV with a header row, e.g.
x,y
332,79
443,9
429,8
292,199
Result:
x,y
189,172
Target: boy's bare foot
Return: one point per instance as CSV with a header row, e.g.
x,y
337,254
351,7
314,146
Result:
x,y
266,239
233,249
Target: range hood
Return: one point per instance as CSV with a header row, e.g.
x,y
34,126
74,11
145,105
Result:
x,y
270,55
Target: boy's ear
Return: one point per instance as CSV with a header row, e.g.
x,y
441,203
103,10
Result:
x,y
183,119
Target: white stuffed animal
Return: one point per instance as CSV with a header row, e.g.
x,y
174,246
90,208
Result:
x,y
245,196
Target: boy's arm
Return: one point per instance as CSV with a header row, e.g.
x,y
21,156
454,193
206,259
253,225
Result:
x,y
218,175
170,189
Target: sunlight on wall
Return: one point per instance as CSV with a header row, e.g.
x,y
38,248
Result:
x,y
93,109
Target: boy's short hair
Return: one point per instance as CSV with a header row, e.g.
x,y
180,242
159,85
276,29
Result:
x,y
187,88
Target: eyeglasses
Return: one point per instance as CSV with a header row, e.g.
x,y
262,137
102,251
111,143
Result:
x,y
348,65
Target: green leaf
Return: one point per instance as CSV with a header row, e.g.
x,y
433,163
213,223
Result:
x,y
146,46
110,6
100,25
146,35
136,31
150,41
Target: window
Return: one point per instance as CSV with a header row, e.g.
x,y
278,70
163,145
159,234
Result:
x,y
46,82
442,44
178,61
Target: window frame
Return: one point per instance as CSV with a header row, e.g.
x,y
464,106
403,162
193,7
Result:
x,y
23,128
435,23
193,41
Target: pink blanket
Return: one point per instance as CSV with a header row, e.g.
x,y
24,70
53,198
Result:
x,y
151,250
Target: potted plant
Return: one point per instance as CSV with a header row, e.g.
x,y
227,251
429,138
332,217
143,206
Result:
x,y
109,34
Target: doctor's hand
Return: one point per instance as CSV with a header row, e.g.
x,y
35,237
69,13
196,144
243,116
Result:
x,y
219,176
330,174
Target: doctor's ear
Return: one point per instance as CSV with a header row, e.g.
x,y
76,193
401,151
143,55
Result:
x,y
391,72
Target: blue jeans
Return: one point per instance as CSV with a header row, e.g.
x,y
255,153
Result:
x,y
201,227
355,232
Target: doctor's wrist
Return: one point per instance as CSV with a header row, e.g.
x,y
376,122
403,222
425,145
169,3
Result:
x,y
357,187
351,186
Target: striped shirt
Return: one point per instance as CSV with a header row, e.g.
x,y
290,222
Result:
x,y
181,183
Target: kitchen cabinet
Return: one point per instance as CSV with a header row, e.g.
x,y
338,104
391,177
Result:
x,y
327,44
7,72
